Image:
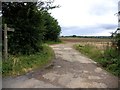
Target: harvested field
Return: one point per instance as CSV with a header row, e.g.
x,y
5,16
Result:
x,y
85,40
100,43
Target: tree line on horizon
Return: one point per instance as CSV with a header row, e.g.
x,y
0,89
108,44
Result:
x,y
88,36
33,25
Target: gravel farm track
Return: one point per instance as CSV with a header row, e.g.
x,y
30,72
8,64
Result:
x,y
70,69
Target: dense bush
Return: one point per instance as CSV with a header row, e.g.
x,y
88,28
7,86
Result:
x,y
32,26
25,19
118,41
52,31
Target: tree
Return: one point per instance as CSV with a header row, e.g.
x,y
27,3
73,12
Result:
x,y
74,36
52,31
28,24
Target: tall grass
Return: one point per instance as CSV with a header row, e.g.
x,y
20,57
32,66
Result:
x,y
18,65
109,58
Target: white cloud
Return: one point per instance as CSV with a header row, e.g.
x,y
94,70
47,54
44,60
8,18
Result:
x,y
104,33
85,13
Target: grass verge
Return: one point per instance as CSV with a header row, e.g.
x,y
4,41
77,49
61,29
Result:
x,y
18,65
108,59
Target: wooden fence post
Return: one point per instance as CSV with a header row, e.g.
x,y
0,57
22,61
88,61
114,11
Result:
x,y
5,42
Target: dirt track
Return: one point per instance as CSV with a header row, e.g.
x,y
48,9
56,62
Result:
x,y
70,70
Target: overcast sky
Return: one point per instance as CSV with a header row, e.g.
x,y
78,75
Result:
x,y
86,17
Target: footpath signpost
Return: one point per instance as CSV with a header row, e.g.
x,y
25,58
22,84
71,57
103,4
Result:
x,y
6,40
